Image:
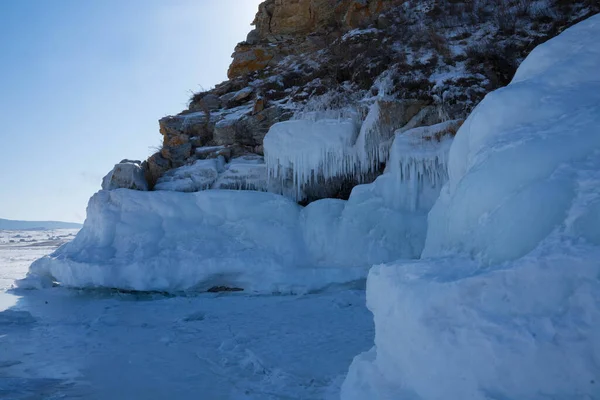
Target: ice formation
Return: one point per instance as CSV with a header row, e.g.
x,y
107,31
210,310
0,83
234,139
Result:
x,y
308,148
170,241
385,116
315,150
505,304
419,161
386,219
370,147
262,242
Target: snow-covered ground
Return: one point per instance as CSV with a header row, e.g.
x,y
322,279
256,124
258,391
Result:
x,y
63,343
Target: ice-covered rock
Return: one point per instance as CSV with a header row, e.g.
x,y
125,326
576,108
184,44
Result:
x,y
308,149
251,240
212,152
506,306
127,174
319,155
244,173
191,178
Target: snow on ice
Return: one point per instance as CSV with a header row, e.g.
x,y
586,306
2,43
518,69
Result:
x,y
505,303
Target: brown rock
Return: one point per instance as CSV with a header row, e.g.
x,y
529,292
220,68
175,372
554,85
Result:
x,y
249,130
182,133
193,125
360,13
259,105
204,153
247,59
243,94
285,27
177,149
291,17
155,167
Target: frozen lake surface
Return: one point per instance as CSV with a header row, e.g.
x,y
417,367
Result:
x,y
99,344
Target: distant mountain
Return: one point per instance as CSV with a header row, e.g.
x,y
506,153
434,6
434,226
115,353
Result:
x,y
7,224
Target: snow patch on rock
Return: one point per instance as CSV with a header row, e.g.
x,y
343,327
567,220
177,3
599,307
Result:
x,y
244,173
191,178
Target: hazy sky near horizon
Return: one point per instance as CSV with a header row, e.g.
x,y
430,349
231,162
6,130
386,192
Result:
x,y
83,84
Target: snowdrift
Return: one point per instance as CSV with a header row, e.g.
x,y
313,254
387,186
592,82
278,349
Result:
x,y
505,303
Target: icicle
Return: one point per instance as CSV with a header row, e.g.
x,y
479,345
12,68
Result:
x,y
310,150
419,161
306,152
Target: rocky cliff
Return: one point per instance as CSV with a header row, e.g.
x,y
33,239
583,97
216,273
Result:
x,y
422,62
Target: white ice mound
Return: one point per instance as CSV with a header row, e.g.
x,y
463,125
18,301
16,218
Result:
x,y
509,308
511,167
191,178
307,149
170,241
445,329
174,241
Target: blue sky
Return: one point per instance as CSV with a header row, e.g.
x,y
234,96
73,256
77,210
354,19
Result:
x,y
84,82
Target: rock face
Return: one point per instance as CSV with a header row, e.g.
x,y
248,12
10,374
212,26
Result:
x,y
127,174
419,63
250,58
300,25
